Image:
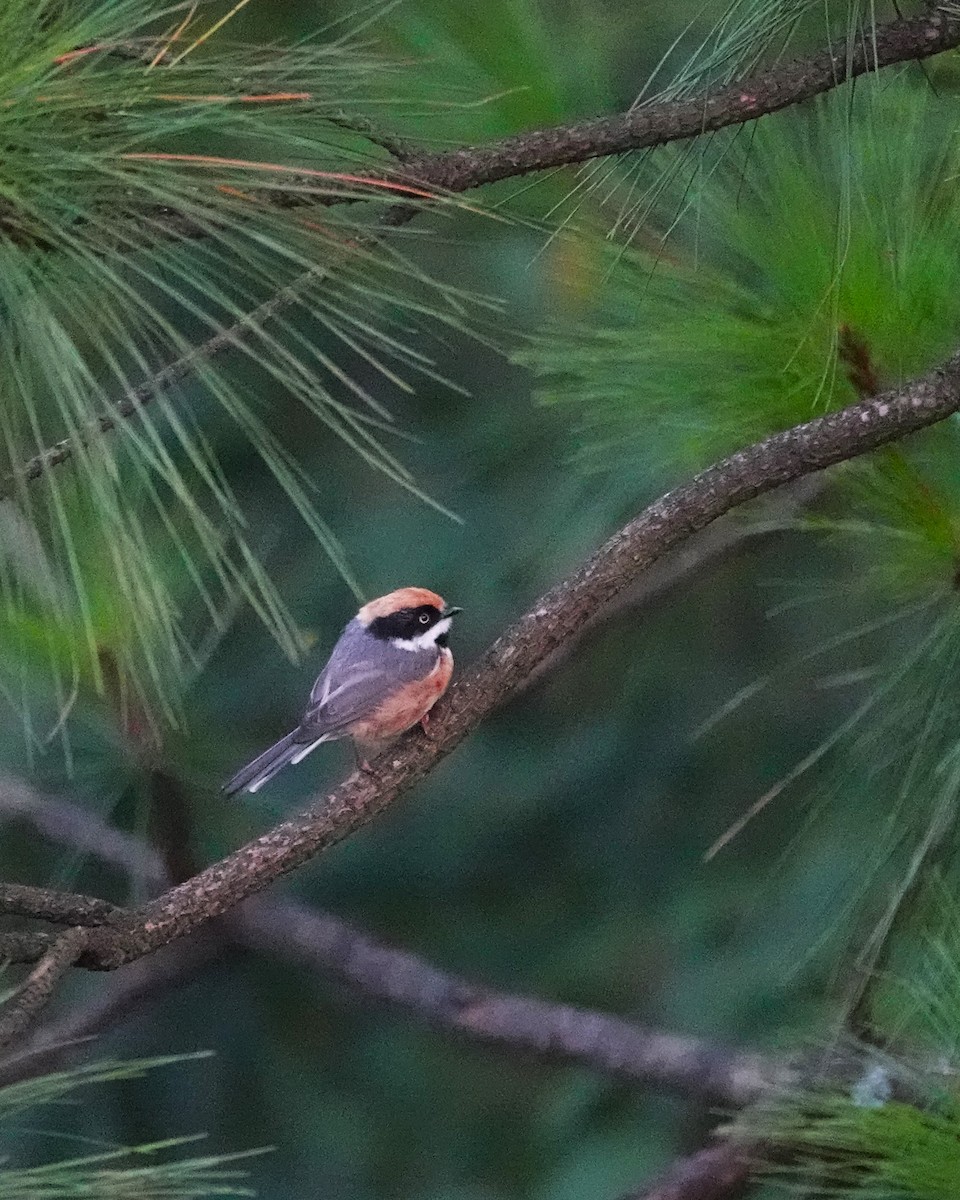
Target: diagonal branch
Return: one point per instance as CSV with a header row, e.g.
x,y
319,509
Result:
x,y
136,399
558,616
502,671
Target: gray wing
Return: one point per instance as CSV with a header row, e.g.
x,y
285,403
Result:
x,y
359,676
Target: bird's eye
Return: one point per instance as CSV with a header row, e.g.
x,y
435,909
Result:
x,y
424,618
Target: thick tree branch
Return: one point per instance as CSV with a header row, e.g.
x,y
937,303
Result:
x,y
502,671
557,616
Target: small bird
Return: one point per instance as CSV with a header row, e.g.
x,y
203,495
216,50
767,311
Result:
x,y
389,667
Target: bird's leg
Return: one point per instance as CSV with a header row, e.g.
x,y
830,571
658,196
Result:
x,y
425,726
361,760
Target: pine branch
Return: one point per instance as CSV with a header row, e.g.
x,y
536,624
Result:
x,y
557,616
134,401
468,167
24,947
503,670
658,123
910,39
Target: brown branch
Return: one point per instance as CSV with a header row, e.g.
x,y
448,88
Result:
x,y
692,560
558,615
60,908
467,167
17,1015
720,1172
658,123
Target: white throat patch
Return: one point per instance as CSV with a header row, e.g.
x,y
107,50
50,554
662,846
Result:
x,y
426,640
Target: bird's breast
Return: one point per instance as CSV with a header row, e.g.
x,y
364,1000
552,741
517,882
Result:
x,y
406,706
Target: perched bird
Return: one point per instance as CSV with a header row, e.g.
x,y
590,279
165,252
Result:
x,y
389,667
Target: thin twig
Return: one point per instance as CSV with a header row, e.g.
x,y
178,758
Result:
x,y
119,996
135,400
24,947
40,984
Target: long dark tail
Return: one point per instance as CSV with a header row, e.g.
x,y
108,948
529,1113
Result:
x,y
271,762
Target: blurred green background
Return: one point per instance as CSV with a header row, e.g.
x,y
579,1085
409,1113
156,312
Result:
x,y
560,850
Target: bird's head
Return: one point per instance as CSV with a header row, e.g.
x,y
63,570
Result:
x,y
411,618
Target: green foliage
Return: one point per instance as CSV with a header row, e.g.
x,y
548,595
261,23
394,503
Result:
x,y
868,1142
119,1172
891,1152
816,261
156,186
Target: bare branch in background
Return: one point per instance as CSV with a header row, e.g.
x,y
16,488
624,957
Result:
x,y
559,615
554,1032
320,942
718,1173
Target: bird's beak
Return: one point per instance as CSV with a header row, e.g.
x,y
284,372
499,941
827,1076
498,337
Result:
x,y
451,610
